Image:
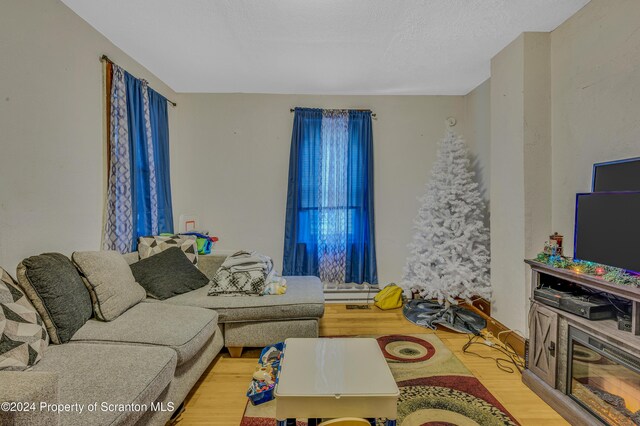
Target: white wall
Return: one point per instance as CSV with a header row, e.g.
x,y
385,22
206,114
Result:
x,y
536,159
477,124
231,164
520,176
595,71
507,184
51,121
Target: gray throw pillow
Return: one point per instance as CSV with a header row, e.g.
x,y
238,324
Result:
x,y
54,287
111,284
168,274
23,336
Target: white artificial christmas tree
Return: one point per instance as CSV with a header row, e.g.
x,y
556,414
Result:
x,y
449,253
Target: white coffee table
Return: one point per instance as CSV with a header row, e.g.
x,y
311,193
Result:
x,y
330,378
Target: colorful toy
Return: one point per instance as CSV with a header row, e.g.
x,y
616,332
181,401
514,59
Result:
x,y
265,375
271,356
205,242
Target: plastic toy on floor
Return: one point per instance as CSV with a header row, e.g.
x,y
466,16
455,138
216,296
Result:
x,y
271,356
265,375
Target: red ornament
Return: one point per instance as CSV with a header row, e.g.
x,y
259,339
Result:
x,y
599,270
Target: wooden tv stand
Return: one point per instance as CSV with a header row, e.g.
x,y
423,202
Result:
x,y
547,360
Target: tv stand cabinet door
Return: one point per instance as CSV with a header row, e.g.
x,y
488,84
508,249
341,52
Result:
x,y
543,331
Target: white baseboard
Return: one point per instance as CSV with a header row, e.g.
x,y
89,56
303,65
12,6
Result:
x,y
350,295
349,302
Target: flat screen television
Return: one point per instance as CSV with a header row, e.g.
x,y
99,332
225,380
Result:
x,y
607,229
620,175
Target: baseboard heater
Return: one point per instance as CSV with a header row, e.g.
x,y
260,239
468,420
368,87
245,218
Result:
x,y
350,295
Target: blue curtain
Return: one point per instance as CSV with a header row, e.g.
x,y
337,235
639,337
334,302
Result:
x,y
149,139
160,135
139,167
301,231
139,191
301,242
361,259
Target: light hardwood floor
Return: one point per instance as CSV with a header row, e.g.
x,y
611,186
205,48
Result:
x,y
219,398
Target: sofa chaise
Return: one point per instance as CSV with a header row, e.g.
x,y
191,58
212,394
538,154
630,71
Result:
x,y
259,321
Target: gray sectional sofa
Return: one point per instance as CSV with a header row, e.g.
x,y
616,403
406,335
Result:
x,y
141,366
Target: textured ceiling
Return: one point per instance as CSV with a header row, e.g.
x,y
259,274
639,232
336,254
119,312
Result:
x,y
320,46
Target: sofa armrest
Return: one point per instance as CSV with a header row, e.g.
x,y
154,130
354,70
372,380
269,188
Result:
x,y
210,263
31,389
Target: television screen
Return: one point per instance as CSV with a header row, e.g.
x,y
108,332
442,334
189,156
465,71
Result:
x,y
621,175
607,229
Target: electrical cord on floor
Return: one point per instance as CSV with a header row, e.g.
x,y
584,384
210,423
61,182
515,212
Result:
x,y
511,360
517,360
509,332
504,364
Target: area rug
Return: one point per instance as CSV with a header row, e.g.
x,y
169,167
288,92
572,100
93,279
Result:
x,y
436,389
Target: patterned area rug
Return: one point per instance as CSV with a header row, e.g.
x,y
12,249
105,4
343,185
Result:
x,y
436,389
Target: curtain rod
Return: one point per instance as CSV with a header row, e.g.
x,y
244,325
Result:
x,y
105,58
368,110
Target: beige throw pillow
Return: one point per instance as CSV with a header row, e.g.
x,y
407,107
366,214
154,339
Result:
x,y
111,284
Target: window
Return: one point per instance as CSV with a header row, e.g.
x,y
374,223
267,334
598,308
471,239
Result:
x,y
330,221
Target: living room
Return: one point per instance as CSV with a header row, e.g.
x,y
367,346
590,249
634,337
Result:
x,y
538,95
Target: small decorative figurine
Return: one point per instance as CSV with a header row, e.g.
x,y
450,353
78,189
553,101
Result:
x,y
558,240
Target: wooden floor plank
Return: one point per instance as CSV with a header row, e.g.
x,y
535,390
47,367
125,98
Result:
x,y
219,397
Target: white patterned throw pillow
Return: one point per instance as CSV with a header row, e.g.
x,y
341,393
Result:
x,y
23,336
148,246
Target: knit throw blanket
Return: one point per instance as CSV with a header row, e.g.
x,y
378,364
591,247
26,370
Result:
x,y
241,274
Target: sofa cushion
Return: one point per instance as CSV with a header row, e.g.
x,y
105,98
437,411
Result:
x,y
23,386
113,374
111,284
23,336
264,333
184,329
150,246
304,299
168,274
132,257
55,288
